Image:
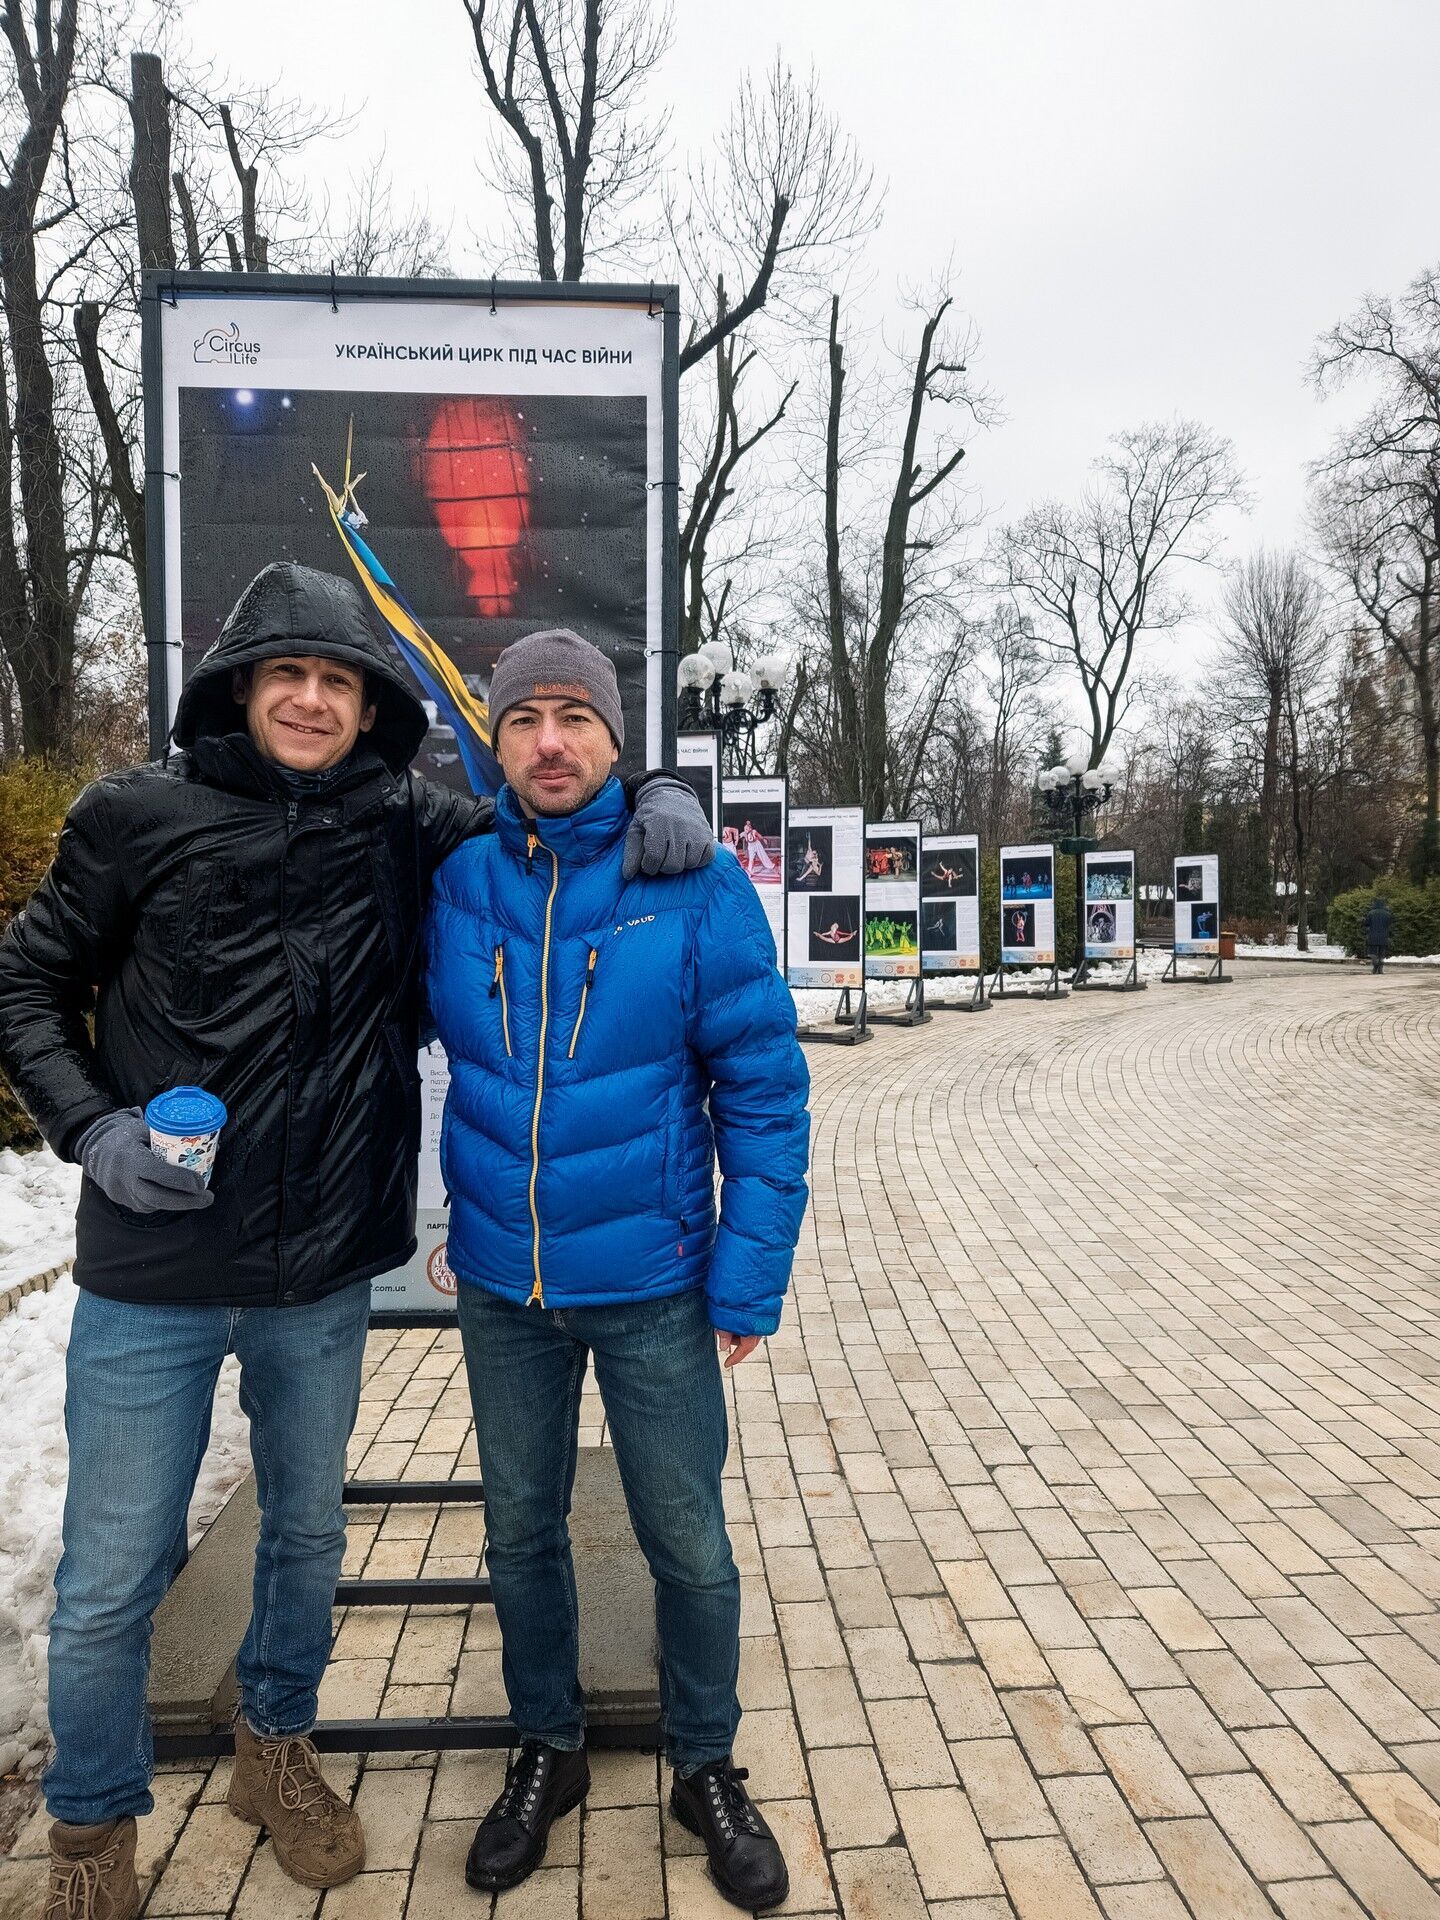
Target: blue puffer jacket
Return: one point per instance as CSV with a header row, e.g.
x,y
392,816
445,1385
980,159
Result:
x,y
589,1024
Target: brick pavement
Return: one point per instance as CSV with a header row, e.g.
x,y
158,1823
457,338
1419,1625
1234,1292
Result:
x,y
1087,1503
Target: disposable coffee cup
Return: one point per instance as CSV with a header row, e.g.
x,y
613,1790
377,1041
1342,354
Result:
x,y
185,1128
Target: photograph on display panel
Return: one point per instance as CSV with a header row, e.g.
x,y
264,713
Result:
x,y
1109,906
488,516
950,903
948,872
1027,875
824,899
754,832
1197,904
811,867
892,900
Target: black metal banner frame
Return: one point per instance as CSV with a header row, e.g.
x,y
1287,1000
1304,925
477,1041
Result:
x,y
854,1020
1216,977
1080,981
1056,990
912,1014
979,1001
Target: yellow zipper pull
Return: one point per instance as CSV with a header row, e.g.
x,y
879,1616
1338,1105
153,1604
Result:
x,y
537,1298
532,841
499,964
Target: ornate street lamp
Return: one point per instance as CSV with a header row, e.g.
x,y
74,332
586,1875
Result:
x,y
716,696
1071,789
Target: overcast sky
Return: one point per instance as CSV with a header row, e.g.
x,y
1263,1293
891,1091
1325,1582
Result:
x,y
1154,205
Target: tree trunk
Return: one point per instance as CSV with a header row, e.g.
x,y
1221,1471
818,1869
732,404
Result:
x,y
150,161
842,673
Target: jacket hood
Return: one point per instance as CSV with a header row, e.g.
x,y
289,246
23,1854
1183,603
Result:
x,y
290,609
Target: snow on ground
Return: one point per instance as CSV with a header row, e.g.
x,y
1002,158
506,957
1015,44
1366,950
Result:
x,y
37,1214
1318,949
33,1340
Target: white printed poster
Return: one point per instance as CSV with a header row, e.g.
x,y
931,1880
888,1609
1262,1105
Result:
x,y
1110,906
892,900
950,903
1027,906
1197,903
426,1282
697,762
825,894
752,814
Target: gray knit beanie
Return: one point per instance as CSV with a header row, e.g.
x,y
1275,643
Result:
x,y
553,665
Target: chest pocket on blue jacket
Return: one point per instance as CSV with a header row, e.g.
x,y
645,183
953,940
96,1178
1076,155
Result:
x,y
628,1005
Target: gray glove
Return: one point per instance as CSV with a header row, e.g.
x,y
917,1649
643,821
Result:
x,y
115,1152
669,833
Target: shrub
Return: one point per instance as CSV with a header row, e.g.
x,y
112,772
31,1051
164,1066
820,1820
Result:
x,y
34,798
1415,912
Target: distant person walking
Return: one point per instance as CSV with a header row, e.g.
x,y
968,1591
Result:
x,y
1379,923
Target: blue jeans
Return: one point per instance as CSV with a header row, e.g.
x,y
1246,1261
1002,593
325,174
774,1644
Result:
x,y
659,1377
139,1384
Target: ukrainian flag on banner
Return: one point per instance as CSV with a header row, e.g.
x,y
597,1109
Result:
x,y
437,673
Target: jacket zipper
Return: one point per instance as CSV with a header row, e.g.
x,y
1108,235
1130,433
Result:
x,y
537,1292
292,816
497,985
584,996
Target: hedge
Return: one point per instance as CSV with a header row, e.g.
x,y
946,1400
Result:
x,y
1415,913
34,799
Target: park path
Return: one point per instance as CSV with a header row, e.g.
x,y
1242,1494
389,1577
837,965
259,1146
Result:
x,y
1087,1503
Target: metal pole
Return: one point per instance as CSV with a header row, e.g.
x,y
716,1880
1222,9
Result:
x,y
1079,859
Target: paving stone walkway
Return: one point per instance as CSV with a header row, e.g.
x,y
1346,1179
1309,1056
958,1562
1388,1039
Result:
x,y
1087,1504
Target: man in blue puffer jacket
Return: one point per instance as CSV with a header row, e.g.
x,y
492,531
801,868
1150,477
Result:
x,y
608,1042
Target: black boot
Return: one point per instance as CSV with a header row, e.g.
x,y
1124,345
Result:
x,y
745,1858
541,1784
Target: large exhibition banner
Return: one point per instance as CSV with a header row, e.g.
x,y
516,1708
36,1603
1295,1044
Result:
x,y
892,900
483,461
1197,903
753,828
950,903
697,762
825,892
1027,906
1110,906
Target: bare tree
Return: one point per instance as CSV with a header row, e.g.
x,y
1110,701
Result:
x,y
872,596
1272,654
1100,575
567,80
773,211
1378,499
37,615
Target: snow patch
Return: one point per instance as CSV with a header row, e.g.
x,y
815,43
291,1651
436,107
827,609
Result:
x,y
37,1214
33,1460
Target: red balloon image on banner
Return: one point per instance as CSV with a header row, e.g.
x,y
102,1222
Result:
x,y
477,479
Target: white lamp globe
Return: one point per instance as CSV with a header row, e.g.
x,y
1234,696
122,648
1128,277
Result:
x,y
1045,780
1110,771
1076,762
719,654
736,689
694,671
772,670
1059,774
1091,781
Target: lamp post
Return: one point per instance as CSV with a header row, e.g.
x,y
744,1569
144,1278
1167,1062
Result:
x,y
1071,789
716,696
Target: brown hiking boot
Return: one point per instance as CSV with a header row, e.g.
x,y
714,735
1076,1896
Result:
x,y
92,1872
278,1785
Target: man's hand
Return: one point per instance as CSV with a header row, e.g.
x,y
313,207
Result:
x,y
669,833
115,1152
736,1346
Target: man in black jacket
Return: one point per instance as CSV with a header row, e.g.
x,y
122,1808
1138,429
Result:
x,y
241,916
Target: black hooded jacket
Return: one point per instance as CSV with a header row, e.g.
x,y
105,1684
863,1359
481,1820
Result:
x,y
232,936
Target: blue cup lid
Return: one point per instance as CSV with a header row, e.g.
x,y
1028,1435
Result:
x,y
186,1110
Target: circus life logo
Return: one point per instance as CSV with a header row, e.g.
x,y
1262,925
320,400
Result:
x,y
438,1271
223,346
